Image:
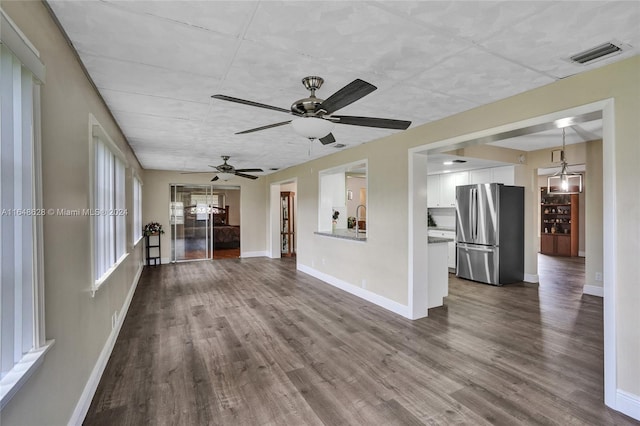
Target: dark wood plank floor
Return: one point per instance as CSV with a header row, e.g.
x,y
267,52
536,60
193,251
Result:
x,y
254,342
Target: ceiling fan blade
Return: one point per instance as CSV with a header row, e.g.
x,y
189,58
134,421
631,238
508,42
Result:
x,y
215,178
347,95
328,139
245,175
384,123
268,126
249,170
250,103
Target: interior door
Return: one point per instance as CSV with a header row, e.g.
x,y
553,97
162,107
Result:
x,y
191,225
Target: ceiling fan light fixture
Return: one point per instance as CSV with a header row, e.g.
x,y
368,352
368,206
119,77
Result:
x,y
312,127
225,176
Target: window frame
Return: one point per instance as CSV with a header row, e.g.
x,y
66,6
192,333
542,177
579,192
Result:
x,y
97,135
27,56
136,191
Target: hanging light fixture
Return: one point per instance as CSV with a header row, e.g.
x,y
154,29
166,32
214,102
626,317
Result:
x,y
564,182
225,176
312,127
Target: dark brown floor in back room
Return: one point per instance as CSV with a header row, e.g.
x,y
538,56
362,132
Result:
x,y
254,341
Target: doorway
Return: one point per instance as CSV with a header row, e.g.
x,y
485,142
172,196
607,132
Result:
x,y
418,169
190,221
283,234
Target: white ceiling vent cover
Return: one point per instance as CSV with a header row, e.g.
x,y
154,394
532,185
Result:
x,y
600,52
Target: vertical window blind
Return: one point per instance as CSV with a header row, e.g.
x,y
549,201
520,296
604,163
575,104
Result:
x,y
109,209
17,229
137,209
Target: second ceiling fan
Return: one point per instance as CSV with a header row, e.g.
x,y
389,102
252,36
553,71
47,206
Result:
x,y
315,116
225,171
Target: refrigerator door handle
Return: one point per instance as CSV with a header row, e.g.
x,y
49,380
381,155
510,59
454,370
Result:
x,y
476,248
474,213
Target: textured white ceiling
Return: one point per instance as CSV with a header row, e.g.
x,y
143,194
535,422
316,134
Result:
x,y
157,63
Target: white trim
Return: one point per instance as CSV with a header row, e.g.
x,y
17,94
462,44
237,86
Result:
x,y
610,231
21,371
418,297
628,403
582,254
531,278
273,225
82,407
367,295
593,290
247,254
99,282
21,47
97,131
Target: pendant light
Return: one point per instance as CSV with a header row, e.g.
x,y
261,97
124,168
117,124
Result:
x,y
564,182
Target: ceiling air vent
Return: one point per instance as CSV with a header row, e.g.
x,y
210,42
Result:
x,y
598,52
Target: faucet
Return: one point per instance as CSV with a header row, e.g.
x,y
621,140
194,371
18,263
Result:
x,y
358,216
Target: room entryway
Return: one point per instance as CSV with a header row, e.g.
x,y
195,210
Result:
x,y
203,222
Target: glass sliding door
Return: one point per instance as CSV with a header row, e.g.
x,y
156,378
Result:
x,y
191,225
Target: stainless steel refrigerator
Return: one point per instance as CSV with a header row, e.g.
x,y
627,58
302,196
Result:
x,y
490,233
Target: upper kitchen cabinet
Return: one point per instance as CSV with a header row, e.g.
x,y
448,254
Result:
x,y
441,189
504,175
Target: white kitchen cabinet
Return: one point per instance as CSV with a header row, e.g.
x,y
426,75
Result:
x,y
480,176
447,190
504,174
441,189
433,191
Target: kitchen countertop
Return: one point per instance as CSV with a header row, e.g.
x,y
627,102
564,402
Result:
x,y
436,240
345,234
442,228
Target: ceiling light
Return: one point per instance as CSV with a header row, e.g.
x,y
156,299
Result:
x,y
564,182
225,176
312,127
447,163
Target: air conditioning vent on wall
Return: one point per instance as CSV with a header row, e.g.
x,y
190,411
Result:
x,y
598,52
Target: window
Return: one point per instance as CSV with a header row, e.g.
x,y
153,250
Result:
x,y
22,342
109,206
137,210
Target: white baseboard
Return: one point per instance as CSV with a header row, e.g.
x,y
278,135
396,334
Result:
x,y
82,407
582,254
246,254
531,278
593,290
628,404
367,295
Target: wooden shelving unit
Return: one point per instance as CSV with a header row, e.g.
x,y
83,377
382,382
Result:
x,y
287,225
559,224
